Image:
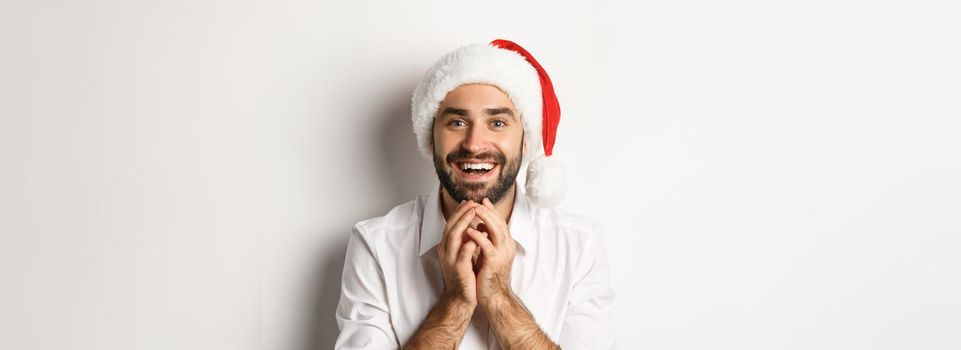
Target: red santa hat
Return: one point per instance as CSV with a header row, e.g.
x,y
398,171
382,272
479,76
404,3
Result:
x,y
511,68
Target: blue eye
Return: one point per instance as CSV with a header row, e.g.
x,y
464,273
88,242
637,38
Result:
x,y
499,123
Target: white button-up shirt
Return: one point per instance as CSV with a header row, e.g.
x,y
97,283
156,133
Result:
x,y
392,277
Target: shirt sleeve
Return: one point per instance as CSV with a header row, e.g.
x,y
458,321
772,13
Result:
x,y
362,312
590,316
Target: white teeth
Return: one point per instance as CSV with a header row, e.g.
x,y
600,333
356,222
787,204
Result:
x,y
476,166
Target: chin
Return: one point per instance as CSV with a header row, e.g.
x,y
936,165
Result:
x,y
476,195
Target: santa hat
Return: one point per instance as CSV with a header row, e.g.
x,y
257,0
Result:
x,y
508,66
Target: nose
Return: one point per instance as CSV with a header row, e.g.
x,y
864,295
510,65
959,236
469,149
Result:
x,y
476,140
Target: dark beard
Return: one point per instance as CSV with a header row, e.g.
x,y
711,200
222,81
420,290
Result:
x,y
460,191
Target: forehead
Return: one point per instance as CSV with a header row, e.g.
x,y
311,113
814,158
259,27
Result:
x,y
477,95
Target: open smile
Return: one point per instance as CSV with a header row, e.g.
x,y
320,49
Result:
x,y
475,170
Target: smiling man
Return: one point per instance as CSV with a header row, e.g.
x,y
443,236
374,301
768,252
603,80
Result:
x,y
478,263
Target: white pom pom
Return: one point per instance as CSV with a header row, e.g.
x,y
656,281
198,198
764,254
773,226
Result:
x,y
546,181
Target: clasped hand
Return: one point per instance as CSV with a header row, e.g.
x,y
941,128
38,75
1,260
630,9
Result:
x,y
476,254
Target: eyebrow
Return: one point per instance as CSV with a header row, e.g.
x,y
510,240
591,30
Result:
x,y
490,111
501,110
458,111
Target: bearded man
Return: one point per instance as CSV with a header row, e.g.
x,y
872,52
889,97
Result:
x,y
478,263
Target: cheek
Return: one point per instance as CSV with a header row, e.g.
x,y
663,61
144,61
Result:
x,y
515,142
445,141
440,148
512,147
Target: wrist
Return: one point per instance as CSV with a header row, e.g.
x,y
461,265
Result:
x,y
456,301
497,300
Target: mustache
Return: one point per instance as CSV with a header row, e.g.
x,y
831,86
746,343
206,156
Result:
x,y
463,154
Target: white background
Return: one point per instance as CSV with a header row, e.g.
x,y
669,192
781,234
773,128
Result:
x,y
770,174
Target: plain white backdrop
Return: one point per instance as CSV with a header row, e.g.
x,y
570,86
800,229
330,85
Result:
x,y
770,174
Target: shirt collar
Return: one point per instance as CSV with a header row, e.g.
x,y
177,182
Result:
x,y
432,226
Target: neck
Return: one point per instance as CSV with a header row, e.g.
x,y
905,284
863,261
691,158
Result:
x,y
504,207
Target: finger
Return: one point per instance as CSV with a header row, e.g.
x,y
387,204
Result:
x,y
456,234
487,203
463,207
466,253
487,247
495,224
457,212
475,222
490,223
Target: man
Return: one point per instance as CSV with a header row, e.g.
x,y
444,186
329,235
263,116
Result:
x,y
477,263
